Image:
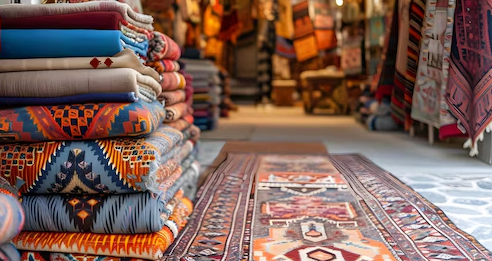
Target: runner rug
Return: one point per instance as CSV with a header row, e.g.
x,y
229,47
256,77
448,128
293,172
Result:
x,y
316,208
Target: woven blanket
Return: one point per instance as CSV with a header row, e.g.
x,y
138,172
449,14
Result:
x,y
130,16
58,83
176,111
123,59
10,102
80,121
173,97
172,81
165,66
128,213
307,207
469,89
119,165
145,246
429,98
161,47
87,20
16,43
8,252
12,217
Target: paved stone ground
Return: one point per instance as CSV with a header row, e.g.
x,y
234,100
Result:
x,y
443,173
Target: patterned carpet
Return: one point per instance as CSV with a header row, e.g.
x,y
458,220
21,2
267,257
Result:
x,y
313,208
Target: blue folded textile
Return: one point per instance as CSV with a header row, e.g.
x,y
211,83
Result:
x,y
11,102
55,43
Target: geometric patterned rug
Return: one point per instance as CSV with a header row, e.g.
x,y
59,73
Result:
x,y
316,208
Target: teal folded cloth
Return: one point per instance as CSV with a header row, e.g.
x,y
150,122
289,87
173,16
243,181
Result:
x,y
59,43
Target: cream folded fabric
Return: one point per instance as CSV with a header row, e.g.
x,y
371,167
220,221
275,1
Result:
x,y
60,83
123,59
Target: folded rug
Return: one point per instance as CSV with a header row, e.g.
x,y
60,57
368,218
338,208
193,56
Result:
x,y
8,252
59,43
86,20
179,124
186,150
195,133
119,165
12,217
58,83
161,47
123,59
80,121
176,111
145,246
172,97
100,213
165,66
172,81
9,102
130,16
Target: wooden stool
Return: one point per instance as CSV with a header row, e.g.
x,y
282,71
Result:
x,y
283,91
325,82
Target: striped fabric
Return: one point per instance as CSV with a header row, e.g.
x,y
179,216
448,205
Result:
x,y
412,14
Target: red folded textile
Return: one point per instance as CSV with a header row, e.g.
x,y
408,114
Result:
x,y
85,20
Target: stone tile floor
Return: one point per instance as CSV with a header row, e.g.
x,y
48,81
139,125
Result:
x,y
443,173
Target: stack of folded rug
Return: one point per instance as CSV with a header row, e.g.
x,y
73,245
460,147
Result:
x,y
11,220
226,104
206,92
177,94
81,130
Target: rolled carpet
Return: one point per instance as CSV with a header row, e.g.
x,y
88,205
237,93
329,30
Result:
x,y
86,20
118,165
130,16
100,213
176,111
123,59
162,47
74,245
59,43
165,66
172,81
80,121
180,124
173,97
56,83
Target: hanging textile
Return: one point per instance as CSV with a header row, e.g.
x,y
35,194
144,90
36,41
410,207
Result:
x,y
284,27
324,25
245,17
305,43
266,42
411,14
376,30
429,102
469,90
384,79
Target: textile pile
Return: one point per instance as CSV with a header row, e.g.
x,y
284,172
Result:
x,y
204,77
85,135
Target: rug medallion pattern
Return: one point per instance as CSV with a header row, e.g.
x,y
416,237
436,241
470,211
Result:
x,y
316,208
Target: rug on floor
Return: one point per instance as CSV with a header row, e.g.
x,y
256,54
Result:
x,y
313,208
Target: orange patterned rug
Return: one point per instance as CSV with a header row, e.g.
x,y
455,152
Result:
x,y
316,208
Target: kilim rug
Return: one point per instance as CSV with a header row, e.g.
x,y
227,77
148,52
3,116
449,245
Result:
x,y
316,208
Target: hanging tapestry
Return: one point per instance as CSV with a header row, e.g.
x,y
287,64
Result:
x,y
284,27
324,27
306,48
285,47
383,82
469,90
119,165
376,30
129,213
303,26
351,58
80,121
429,98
